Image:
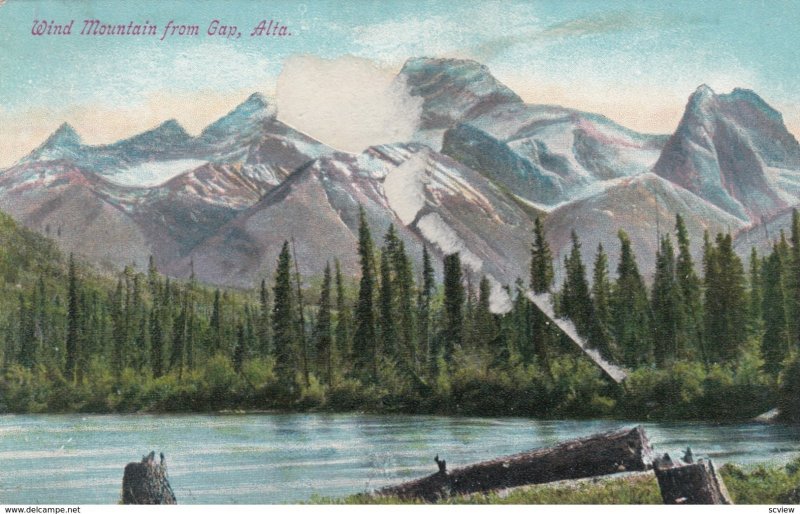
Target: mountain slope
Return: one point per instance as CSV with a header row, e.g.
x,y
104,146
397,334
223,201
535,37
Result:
x,y
643,206
734,151
430,199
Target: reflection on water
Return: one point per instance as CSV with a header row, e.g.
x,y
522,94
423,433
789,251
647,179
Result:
x,y
280,458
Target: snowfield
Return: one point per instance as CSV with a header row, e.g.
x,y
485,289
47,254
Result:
x,y
151,174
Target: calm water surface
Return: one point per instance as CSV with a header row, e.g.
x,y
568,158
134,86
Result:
x,y
284,458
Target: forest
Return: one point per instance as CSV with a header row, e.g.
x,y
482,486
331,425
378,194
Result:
x,y
717,339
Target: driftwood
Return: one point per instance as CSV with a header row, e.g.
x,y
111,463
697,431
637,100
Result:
x,y
145,483
601,454
695,483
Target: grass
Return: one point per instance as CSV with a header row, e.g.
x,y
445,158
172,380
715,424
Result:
x,y
757,485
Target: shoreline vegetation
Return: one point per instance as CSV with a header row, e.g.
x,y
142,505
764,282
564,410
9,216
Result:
x,y
717,344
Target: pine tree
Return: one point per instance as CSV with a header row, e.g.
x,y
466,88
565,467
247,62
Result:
x,y
726,305
301,322
755,319
284,322
177,354
241,348
630,308
793,282
690,291
402,296
73,320
601,337
576,303
264,331
541,280
343,318
156,342
666,305
386,326
322,332
365,355
453,305
541,260
215,325
25,343
425,296
120,330
485,323
775,345
190,319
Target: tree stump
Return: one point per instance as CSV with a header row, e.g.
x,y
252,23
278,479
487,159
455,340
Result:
x,y
145,483
601,454
695,484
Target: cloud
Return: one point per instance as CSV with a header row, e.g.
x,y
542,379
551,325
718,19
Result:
x,y
348,103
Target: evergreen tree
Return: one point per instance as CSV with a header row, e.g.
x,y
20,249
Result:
x,y
424,308
576,303
26,342
177,355
156,342
485,323
118,320
541,260
691,296
322,332
630,308
264,331
755,319
284,322
666,307
793,282
541,280
365,353
388,335
215,325
73,320
601,337
775,345
402,296
453,305
343,318
241,348
726,305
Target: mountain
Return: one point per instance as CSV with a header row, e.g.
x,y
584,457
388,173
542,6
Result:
x,y
430,199
64,143
549,155
734,151
453,89
544,154
481,167
643,206
157,193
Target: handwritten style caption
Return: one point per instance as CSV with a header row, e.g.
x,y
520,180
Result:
x,y
172,29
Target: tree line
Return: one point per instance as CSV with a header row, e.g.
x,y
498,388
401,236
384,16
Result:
x,y
398,340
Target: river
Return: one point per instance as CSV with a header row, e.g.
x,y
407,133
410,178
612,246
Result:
x,y
286,458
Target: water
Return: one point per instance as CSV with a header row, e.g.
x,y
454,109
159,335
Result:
x,y
284,458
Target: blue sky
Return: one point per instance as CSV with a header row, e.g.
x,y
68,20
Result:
x,y
635,62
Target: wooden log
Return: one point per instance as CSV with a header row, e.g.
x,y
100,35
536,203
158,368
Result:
x,y
600,454
695,484
145,483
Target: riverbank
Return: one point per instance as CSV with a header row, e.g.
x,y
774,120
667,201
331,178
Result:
x,y
754,485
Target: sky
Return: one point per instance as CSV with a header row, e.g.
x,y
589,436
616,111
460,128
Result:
x,y
633,61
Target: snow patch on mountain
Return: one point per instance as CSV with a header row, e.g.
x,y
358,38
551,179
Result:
x,y
152,174
405,188
435,230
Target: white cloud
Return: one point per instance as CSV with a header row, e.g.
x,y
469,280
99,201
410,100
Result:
x,y
348,103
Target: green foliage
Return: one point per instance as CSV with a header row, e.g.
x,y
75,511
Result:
x,y
762,485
